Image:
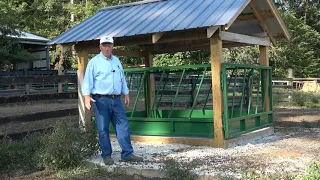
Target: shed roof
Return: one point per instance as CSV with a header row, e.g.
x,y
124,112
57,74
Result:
x,y
28,38
158,16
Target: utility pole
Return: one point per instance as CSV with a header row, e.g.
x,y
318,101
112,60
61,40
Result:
x,y
72,15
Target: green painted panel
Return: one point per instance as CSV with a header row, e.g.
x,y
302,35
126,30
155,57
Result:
x,y
150,128
234,126
200,125
185,113
194,129
137,114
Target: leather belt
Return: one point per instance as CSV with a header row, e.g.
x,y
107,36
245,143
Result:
x,y
113,96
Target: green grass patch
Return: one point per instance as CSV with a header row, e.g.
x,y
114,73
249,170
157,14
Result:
x,y
306,99
21,156
177,170
313,172
87,170
66,147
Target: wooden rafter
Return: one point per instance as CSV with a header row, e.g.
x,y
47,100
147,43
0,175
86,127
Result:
x,y
262,22
156,37
211,31
183,35
278,18
251,16
234,17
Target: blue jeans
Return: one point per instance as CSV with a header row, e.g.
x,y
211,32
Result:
x,y
108,109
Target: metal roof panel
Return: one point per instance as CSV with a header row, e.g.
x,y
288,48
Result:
x,y
152,16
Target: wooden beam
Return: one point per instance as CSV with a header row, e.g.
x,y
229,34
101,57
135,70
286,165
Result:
x,y
156,37
117,52
235,15
84,113
148,61
211,30
262,22
174,47
277,16
251,16
240,38
187,46
133,40
129,53
264,61
170,140
216,59
186,35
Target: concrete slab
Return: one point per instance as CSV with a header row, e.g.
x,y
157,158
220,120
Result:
x,y
249,137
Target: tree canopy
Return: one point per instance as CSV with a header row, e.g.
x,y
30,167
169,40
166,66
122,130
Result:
x,y
49,18
11,51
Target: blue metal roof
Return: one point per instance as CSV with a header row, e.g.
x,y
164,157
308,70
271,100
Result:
x,y
153,16
29,37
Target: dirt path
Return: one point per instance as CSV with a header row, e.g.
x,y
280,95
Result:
x,y
297,117
23,108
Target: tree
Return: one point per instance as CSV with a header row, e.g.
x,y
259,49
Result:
x,y
301,52
11,52
181,58
306,10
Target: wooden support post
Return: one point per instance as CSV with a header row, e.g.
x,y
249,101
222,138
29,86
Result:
x,y
264,61
84,113
148,60
216,58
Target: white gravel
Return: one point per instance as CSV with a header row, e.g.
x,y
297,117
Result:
x,y
287,151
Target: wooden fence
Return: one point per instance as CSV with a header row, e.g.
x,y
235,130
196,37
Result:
x,y
284,88
33,82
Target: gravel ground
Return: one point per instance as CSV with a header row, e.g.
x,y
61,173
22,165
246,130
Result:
x,y
289,150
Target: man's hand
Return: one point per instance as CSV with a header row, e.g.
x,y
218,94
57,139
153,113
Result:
x,y
126,100
87,101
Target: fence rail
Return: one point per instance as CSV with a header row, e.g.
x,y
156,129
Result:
x,y
37,84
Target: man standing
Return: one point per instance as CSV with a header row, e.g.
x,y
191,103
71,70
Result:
x,y
105,81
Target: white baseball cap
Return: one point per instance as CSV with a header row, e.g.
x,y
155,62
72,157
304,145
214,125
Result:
x,y
106,39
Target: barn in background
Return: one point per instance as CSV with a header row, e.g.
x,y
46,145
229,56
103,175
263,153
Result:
x,y
38,46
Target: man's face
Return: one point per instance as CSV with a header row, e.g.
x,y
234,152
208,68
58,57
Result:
x,y
106,49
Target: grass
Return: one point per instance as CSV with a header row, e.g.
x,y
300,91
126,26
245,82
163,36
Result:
x,y
300,99
177,170
66,147
313,172
87,170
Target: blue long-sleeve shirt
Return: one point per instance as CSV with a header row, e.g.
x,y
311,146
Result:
x,y
104,76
